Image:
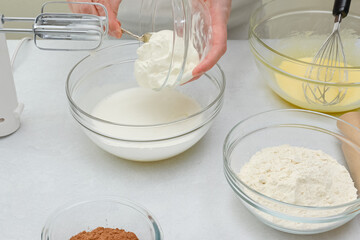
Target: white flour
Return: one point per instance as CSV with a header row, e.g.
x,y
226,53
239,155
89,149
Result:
x,y
298,176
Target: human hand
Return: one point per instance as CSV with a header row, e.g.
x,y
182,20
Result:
x,y
112,7
220,12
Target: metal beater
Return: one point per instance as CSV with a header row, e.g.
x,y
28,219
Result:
x,y
330,58
63,26
51,31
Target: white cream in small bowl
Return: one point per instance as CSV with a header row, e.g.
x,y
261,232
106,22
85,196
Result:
x,y
162,59
138,123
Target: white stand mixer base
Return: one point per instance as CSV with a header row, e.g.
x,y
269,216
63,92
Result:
x,y
10,109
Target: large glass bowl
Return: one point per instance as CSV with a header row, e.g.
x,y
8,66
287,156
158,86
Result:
x,y
110,70
284,37
107,212
300,128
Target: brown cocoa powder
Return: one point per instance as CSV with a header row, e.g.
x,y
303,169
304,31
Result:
x,y
101,233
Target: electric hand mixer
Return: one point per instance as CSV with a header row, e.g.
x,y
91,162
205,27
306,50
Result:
x,y
49,28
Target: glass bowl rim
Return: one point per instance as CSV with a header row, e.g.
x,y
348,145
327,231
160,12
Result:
x,y
158,233
253,25
217,99
233,175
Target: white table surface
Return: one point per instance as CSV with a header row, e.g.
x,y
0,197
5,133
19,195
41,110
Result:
x,y
49,161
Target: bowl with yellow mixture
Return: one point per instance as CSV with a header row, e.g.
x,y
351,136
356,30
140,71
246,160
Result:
x,y
284,37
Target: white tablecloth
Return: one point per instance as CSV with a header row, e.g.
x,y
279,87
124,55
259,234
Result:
x,y
49,161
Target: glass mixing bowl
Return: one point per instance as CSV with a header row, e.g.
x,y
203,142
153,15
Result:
x,y
189,20
109,212
284,37
300,128
110,70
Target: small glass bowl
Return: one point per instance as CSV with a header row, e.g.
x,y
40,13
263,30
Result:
x,y
109,212
110,70
284,37
300,128
189,20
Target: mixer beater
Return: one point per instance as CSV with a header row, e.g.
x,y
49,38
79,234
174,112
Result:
x,y
63,26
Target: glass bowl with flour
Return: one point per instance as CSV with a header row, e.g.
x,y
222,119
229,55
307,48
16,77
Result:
x,y
295,170
138,123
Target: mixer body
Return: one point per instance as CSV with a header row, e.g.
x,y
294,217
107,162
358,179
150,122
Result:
x,y
49,28
10,108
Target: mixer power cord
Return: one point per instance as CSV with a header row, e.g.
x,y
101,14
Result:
x,y
18,47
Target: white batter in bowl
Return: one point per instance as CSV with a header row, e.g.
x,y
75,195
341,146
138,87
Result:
x,y
135,123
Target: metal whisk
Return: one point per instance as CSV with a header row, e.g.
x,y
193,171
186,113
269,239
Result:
x,y
330,58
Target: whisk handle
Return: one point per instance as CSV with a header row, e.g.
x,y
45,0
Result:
x,y
341,7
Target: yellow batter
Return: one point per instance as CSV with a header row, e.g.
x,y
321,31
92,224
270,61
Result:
x,y
293,90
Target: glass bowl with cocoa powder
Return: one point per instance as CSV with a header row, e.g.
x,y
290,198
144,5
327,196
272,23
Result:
x,y
102,218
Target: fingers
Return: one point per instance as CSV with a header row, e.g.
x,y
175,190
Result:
x,y
218,49
112,9
71,6
216,52
82,8
219,11
87,9
114,24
